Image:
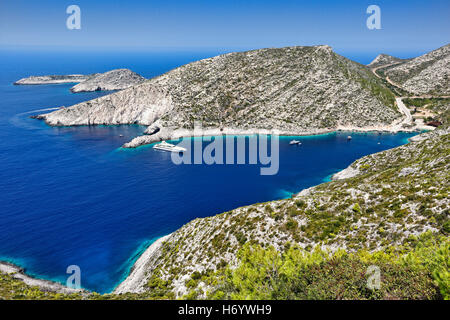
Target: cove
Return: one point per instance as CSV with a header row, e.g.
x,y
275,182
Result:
x,y
98,206
72,196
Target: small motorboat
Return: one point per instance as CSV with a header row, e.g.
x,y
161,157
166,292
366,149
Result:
x,y
295,142
168,147
349,137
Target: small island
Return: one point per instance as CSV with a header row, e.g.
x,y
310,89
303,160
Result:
x,y
53,79
116,79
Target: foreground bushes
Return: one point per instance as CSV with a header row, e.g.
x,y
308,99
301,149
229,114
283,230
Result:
x,y
420,270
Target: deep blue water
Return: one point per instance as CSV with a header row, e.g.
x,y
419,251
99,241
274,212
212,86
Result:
x,y
72,196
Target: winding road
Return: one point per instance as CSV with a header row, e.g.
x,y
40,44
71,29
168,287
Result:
x,y
408,120
403,109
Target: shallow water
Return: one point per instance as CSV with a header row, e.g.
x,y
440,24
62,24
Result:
x,y
73,196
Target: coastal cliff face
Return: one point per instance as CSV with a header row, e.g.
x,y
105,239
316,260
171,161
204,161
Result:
x,y
386,199
117,79
427,74
291,89
142,104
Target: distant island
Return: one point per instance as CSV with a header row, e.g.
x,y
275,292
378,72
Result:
x,y
53,79
116,79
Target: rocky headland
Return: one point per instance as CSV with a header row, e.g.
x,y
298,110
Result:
x,y
294,90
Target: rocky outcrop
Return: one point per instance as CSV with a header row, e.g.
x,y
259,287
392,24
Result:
x,y
117,79
53,79
291,89
385,60
427,74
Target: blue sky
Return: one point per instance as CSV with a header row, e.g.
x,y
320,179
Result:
x,y
407,26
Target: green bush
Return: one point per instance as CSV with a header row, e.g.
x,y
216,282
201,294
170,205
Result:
x,y
417,271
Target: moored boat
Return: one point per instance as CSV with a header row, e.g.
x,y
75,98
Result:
x,y
168,147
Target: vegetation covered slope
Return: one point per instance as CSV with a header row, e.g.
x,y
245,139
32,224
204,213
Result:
x,y
393,195
416,270
289,89
427,74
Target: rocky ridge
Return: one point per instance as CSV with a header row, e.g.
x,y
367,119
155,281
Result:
x,y
384,60
427,74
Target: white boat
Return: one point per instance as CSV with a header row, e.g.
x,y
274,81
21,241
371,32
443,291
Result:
x,y
349,138
295,142
168,147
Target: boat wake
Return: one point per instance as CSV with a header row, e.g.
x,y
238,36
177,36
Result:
x,y
21,121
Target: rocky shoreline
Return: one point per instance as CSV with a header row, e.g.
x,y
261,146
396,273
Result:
x,y
46,285
136,280
155,134
182,133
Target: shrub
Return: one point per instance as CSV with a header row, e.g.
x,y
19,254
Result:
x,y
417,271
